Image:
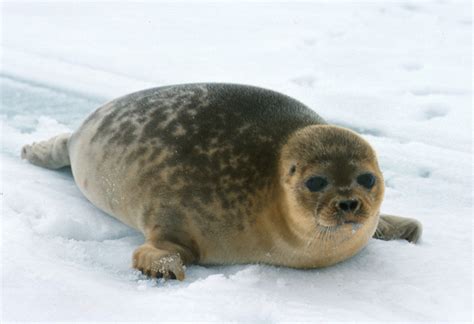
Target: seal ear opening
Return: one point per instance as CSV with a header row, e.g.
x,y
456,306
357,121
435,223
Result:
x,y
292,169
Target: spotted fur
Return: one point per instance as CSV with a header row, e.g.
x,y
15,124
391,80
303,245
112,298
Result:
x,y
215,173
204,144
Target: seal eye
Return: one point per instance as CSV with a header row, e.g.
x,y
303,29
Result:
x,y
316,183
367,180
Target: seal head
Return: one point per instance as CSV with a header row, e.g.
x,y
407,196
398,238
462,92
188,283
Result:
x,y
333,188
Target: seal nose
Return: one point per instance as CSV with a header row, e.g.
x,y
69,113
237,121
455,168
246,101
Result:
x,y
348,205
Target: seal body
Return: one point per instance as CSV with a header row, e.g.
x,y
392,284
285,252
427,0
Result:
x,y
223,173
199,148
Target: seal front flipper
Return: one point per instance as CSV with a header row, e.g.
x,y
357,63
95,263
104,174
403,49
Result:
x,y
161,260
395,227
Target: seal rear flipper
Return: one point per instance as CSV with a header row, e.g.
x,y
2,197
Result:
x,y
51,154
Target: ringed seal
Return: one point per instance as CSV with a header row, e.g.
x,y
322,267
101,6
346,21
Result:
x,y
222,173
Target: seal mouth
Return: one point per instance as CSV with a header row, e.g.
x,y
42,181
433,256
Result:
x,y
351,222
355,225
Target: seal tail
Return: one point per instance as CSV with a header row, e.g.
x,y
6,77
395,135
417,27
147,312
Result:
x,y
51,154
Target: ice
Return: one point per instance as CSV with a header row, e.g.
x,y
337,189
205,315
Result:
x,y
398,72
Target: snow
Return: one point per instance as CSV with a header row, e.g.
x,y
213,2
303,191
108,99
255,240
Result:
x,y
398,72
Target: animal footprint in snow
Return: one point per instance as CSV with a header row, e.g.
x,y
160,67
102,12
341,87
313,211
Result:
x,y
304,80
434,111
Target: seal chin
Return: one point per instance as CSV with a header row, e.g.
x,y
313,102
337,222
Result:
x,y
355,225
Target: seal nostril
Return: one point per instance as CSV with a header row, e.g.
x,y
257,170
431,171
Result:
x,y
344,205
353,205
348,205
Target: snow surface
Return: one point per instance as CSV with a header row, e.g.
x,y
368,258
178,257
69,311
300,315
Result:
x,y
397,72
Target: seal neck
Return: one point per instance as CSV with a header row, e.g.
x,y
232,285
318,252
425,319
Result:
x,y
282,221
